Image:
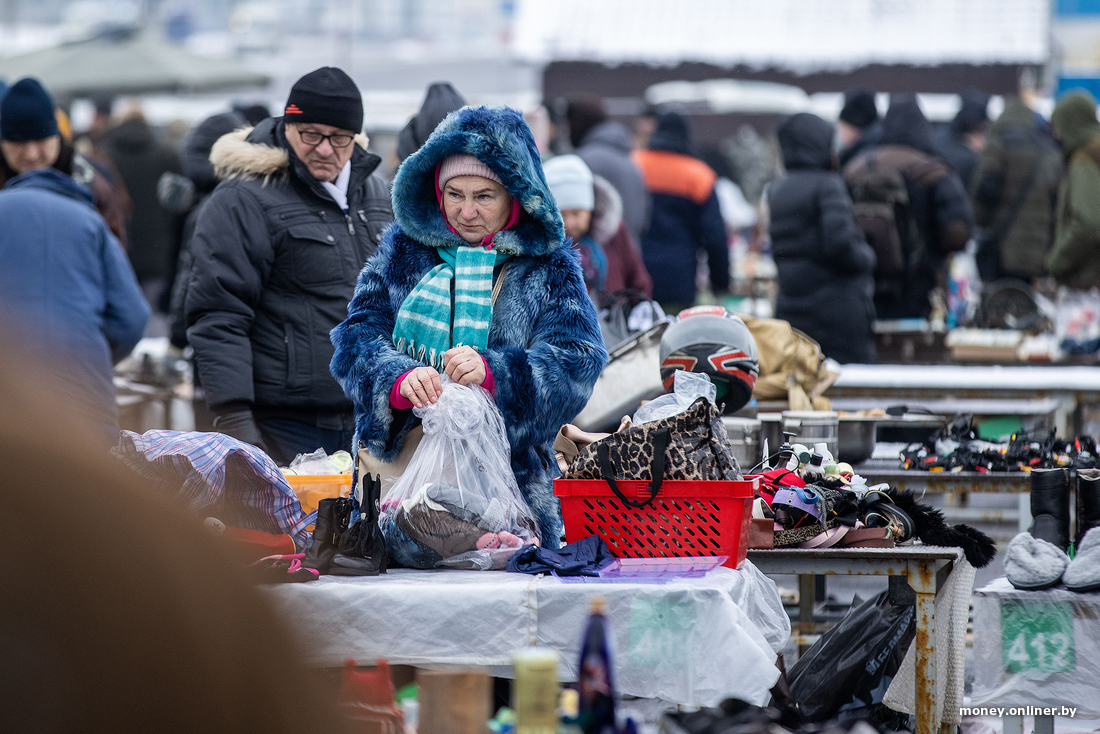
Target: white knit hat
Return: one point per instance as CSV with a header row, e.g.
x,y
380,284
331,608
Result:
x,y
570,181
464,165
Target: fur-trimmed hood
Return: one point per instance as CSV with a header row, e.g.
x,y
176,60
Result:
x,y
607,213
255,153
500,138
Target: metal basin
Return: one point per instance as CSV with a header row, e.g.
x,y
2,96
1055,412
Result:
x,y
856,439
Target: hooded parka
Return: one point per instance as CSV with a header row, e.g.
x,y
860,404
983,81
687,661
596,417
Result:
x,y
544,350
826,286
1074,259
1013,193
938,204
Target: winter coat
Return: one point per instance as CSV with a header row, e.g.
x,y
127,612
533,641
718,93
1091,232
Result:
x,y
951,146
605,149
154,231
544,350
941,209
1019,229
441,100
1074,259
275,262
685,216
869,138
65,278
196,165
826,283
109,201
625,269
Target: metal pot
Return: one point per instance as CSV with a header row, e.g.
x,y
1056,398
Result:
x,y
744,436
856,439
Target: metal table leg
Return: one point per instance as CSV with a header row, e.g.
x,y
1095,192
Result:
x,y
1044,725
805,608
922,577
1013,724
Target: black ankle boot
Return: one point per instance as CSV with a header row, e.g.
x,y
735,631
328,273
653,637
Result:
x,y
362,550
1088,502
332,521
1050,506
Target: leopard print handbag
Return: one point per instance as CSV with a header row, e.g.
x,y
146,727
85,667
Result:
x,y
692,445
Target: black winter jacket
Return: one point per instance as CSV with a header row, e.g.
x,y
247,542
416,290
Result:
x,y
826,286
275,265
941,211
153,230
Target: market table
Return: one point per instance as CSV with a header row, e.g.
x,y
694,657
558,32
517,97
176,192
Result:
x,y
687,641
1072,387
925,568
1038,649
889,471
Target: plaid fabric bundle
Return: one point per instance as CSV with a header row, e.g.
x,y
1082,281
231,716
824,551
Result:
x,y
218,475
423,329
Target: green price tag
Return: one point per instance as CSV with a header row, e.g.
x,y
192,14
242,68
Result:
x,y
1037,635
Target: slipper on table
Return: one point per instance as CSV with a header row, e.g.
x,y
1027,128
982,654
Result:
x,y
1083,572
828,539
868,538
1032,563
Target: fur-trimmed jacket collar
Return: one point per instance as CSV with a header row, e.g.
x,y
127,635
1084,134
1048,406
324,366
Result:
x,y
262,152
500,138
607,213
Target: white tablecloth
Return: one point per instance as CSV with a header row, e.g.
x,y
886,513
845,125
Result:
x,y
1059,672
689,641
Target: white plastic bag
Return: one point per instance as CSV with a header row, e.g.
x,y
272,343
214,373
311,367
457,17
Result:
x,y
687,387
458,503
319,462
1077,325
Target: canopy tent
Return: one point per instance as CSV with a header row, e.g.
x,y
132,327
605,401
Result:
x,y
127,62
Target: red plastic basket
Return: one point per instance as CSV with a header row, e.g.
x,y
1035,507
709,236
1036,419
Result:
x,y
686,518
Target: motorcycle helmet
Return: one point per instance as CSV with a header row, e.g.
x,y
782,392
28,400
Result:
x,y
715,342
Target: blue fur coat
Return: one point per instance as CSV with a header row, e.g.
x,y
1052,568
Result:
x,y
545,349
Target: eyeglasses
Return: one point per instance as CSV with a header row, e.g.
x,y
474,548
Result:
x,y
336,140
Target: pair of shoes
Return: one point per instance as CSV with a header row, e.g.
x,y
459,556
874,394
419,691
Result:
x,y
1038,559
333,514
361,548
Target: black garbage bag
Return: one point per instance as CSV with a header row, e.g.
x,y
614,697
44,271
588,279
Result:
x,y
852,665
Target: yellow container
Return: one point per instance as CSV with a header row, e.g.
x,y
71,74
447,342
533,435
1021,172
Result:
x,y
312,488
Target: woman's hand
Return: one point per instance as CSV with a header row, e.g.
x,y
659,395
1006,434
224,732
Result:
x,y
421,386
464,365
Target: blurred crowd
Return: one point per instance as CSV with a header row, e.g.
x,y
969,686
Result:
x,y
244,241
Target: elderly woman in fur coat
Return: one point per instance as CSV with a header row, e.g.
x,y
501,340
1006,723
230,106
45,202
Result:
x,y
474,219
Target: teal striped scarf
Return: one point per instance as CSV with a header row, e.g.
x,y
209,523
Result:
x,y
424,330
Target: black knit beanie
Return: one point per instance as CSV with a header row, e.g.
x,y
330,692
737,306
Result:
x,y
859,109
326,96
27,112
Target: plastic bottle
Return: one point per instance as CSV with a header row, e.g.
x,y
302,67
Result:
x,y
535,691
799,456
815,468
595,683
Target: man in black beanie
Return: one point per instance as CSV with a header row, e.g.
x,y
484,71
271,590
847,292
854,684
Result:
x,y
858,127
961,142
277,250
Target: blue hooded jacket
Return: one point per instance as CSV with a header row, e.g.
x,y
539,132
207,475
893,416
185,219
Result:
x,y
65,281
545,349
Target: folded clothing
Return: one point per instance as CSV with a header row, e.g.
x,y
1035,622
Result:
x,y
438,529
585,557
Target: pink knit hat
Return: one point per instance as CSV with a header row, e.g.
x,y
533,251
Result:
x,y
464,165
